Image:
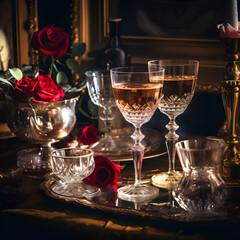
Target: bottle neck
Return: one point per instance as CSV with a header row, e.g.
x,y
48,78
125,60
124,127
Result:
x,y
114,40
114,29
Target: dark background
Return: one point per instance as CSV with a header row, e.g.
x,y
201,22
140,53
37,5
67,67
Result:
x,y
205,114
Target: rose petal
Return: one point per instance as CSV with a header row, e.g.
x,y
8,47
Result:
x,y
227,31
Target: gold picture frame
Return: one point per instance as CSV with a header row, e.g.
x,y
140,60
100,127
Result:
x,y
25,22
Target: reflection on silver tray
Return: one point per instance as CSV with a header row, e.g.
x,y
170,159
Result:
x,y
161,208
152,141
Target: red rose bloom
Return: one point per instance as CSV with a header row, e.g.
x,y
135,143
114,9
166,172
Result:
x,y
88,135
105,174
24,89
46,90
51,41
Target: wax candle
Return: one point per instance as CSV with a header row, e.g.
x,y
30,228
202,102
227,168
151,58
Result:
x,y
231,14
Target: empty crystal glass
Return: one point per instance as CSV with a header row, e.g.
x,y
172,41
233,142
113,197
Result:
x,y
101,94
201,188
71,166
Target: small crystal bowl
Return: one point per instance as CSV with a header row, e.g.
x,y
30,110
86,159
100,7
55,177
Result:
x,y
71,166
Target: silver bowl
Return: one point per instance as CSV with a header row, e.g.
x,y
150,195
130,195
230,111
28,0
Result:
x,y
43,124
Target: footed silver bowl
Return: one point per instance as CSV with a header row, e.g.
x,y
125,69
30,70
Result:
x,y
42,124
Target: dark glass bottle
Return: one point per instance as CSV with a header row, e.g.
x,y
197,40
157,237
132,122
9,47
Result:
x,y
115,54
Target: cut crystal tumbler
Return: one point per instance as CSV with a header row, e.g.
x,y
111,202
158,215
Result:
x,y
201,188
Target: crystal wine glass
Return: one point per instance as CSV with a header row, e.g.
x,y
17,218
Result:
x,y
179,84
137,93
101,93
71,166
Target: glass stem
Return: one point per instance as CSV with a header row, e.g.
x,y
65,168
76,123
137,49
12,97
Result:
x,y
171,139
108,127
137,153
107,117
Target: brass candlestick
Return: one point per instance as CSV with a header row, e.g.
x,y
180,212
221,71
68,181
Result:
x,y
231,163
232,68
230,89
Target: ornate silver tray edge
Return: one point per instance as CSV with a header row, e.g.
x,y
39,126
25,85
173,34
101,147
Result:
x,y
168,213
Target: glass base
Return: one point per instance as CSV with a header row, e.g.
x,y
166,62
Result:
x,y
109,146
80,189
166,180
34,162
138,192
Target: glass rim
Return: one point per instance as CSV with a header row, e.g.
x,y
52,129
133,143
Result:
x,y
98,72
91,153
179,146
178,61
118,70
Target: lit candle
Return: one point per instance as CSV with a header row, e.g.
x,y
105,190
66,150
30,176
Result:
x,y
231,14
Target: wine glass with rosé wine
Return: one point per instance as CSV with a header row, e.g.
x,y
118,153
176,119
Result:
x,y
179,84
137,94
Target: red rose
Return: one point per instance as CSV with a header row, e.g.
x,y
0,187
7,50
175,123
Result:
x,y
24,89
88,135
51,41
105,174
46,90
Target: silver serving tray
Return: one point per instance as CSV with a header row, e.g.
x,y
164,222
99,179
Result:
x,y
161,208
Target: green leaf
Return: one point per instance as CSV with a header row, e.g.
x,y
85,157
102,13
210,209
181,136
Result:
x,y
59,62
61,78
16,73
73,65
5,81
79,49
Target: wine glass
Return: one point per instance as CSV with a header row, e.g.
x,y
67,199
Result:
x,y
137,93
179,84
101,94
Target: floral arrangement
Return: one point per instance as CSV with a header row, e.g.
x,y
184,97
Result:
x,y
26,85
23,85
41,89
